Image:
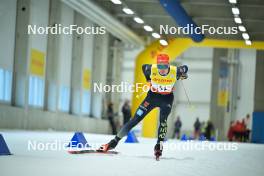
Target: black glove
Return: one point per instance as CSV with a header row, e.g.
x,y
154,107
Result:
x,y
184,76
183,72
184,69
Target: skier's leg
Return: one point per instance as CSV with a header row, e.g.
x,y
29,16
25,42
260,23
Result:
x,y
141,112
164,113
165,109
144,108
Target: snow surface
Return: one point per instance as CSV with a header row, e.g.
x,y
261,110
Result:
x,y
134,159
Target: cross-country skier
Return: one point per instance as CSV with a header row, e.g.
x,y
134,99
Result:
x,y
162,77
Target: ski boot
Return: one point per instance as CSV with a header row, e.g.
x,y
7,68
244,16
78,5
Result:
x,y
158,150
109,146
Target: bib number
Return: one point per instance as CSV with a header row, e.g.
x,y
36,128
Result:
x,y
162,88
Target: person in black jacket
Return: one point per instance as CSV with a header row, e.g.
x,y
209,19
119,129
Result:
x,y
197,128
209,129
110,115
177,128
126,110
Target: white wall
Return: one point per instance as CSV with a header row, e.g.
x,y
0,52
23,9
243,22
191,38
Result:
x,y
88,47
101,44
60,56
127,75
33,119
65,49
128,68
7,33
198,87
7,47
39,15
35,12
82,61
246,83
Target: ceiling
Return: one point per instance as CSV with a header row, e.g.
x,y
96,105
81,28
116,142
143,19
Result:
x,y
212,12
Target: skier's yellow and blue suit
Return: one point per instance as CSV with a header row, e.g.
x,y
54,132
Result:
x,y
160,95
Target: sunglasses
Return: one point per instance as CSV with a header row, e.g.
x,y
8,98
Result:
x,y
162,66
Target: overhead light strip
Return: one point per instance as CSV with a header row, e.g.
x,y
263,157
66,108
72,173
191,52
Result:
x,y
128,11
138,20
118,2
102,18
236,12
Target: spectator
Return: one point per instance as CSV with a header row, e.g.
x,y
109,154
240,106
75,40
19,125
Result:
x,y
197,128
209,129
247,121
230,134
110,115
239,131
247,125
126,110
177,128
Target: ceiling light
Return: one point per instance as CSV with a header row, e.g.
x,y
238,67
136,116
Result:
x,y
128,11
238,20
163,42
155,35
116,1
233,1
245,36
148,28
242,28
138,20
248,42
235,11
92,11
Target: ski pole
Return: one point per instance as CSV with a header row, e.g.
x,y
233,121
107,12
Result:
x,y
185,92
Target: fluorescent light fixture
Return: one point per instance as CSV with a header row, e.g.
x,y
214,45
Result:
x,y
233,1
235,11
155,35
242,28
148,28
116,1
238,20
92,11
138,20
163,42
248,42
245,36
128,11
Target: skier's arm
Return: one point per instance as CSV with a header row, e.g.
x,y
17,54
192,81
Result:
x,y
146,68
182,72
